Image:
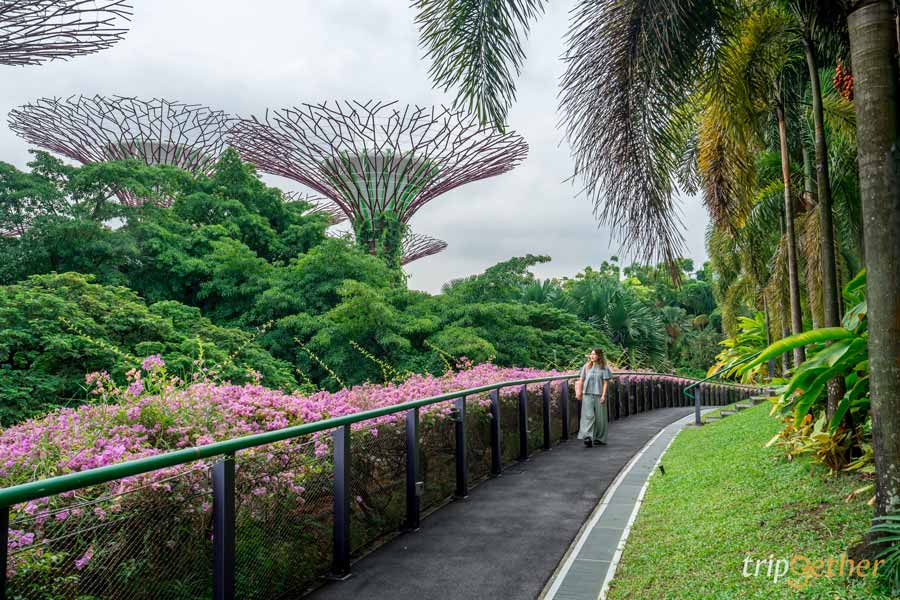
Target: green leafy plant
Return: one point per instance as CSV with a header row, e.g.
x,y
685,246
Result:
x,y
749,340
831,352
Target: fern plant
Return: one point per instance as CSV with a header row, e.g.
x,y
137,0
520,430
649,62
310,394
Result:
x,y
887,531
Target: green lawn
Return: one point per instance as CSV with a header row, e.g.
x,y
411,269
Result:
x,y
725,496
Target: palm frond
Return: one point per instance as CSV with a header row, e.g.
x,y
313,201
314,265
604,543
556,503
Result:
x,y
476,46
631,67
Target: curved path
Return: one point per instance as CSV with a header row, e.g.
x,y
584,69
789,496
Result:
x,y
508,537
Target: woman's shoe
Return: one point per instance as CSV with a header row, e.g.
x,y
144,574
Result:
x,y
600,443
588,443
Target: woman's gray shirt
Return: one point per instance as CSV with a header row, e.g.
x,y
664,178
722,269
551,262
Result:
x,y
593,379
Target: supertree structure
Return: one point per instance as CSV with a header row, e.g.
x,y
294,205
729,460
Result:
x,y
417,245
414,245
35,31
319,205
379,162
97,129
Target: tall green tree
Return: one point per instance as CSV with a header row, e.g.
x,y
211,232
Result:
x,y
873,45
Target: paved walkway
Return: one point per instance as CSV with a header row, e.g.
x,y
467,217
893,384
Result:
x,y
592,559
508,537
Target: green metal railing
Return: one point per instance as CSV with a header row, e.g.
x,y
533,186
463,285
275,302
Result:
x,y
696,387
632,392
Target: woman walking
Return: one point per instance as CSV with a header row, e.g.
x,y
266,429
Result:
x,y
594,379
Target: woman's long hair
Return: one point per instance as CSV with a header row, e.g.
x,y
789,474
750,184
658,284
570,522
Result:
x,y
601,358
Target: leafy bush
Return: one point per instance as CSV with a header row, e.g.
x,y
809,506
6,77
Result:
x,y
54,328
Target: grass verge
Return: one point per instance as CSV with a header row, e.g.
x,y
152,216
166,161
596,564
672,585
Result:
x,y
724,498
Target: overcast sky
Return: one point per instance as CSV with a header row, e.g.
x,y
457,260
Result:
x,y
243,57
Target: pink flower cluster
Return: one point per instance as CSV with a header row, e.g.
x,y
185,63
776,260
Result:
x,y
158,418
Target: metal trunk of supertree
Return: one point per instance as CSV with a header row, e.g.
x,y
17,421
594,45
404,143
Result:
x,y
36,31
379,162
98,129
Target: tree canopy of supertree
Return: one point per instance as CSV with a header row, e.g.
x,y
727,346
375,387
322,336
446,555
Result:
x,y
98,129
417,245
379,162
35,31
319,205
413,247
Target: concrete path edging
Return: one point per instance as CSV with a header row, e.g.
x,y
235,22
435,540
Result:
x,y
590,563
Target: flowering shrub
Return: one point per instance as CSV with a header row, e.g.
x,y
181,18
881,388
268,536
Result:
x,y
155,413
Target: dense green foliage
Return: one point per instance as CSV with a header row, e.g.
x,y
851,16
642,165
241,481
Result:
x,y
237,253
56,328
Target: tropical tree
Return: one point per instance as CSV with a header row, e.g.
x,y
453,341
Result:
x,y
873,45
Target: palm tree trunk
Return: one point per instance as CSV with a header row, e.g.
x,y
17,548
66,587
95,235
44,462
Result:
x,y
830,306
793,275
769,336
785,332
873,48
809,193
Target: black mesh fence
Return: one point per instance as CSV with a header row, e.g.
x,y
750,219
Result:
x,y
152,542
535,418
283,517
478,437
377,482
509,426
555,412
437,443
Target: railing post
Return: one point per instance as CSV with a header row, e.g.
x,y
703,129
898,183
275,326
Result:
x,y
340,567
546,414
622,393
612,399
4,549
462,466
523,423
496,463
413,485
697,399
564,395
223,528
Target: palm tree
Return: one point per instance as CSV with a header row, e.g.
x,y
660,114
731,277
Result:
x,y
752,78
873,47
818,19
628,64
